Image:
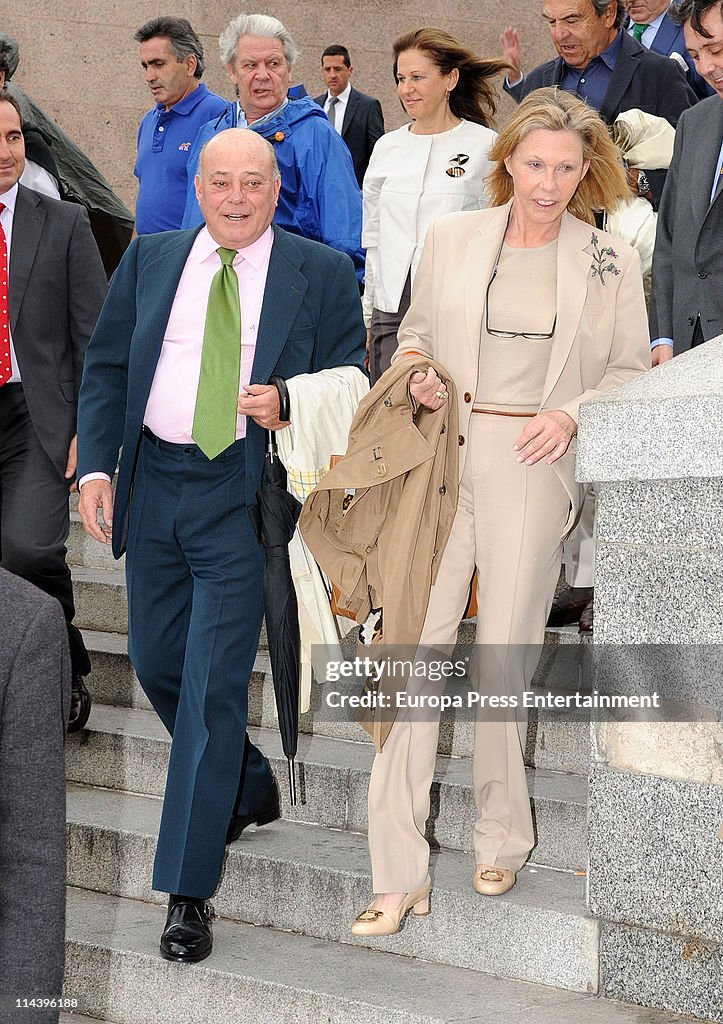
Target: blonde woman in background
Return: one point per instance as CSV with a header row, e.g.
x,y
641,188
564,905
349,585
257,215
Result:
x,y
434,165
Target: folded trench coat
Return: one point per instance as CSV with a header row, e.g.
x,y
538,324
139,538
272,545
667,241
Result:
x,y
385,547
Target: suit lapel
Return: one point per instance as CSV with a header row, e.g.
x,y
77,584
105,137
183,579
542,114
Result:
x,y
351,104
666,36
573,275
285,289
708,153
626,65
171,258
482,251
28,223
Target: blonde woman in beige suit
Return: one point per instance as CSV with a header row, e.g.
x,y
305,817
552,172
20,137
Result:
x,y
532,310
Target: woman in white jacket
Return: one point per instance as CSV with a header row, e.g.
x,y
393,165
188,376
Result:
x,y
435,165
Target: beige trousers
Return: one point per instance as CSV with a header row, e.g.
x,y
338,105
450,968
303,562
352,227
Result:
x,y
578,551
509,523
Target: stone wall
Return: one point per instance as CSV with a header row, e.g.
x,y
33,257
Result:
x,y
656,787
79,62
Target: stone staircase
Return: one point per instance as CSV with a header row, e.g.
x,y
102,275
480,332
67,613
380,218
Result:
x,y
282,947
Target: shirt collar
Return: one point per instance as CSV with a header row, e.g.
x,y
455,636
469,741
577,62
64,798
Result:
x,y
204,247
609,55
343,96
9,198
241,117
188,103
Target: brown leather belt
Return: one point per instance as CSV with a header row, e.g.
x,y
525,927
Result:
x,y
497,412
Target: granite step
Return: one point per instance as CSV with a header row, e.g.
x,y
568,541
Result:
x,y
127,750
265,976
313,880
553,743
84,551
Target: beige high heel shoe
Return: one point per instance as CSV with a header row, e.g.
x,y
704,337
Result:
x,y
387,922
493,881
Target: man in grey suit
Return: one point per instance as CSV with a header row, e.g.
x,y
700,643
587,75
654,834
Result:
x,y
34,696
52,285
687,298
357,118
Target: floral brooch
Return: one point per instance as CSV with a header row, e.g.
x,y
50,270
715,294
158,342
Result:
x,y
599,266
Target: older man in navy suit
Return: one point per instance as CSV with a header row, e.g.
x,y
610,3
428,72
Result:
x,y
195,324
650,23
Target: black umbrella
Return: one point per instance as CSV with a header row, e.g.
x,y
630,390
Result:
x,y
274,518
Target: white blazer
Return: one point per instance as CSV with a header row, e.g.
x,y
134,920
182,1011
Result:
x,y
406,187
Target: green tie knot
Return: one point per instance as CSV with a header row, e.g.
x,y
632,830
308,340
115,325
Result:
x,y
638,30
226,256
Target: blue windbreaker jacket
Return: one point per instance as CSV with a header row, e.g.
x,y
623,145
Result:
x,y
319,197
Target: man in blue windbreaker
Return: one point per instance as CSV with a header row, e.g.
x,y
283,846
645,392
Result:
x,y
320,197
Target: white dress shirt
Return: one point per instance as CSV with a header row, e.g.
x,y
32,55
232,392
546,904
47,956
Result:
x,y
339,108
650,32
9,199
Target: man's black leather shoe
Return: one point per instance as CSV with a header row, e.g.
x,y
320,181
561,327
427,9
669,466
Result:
x,y
80,704
269,812
569,605
187,936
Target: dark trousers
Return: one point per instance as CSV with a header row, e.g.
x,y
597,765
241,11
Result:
x,y
383,335
34,516
195,605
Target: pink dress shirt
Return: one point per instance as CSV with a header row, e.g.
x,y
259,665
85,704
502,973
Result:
x,y
172,398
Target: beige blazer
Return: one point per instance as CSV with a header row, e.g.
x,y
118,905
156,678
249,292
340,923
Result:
x,y
601,338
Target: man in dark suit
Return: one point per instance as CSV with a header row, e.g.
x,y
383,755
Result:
x,y
34,697
358,118
53,284
687,299
195,324
651,24
605,66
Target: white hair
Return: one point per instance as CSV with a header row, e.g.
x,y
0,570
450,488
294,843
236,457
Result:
x,y
256,25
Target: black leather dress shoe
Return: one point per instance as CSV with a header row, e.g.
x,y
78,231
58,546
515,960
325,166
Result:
x,y
586,617
187,936
270,811
80,703
569,605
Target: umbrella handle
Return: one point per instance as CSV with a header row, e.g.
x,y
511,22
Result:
x,y
284,412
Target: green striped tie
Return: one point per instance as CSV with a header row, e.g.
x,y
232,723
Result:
x,y
214,418
638,31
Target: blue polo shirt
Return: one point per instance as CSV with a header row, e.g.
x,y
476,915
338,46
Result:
x,y
165,138
592,83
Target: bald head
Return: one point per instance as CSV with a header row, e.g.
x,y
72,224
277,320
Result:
x,y
237,186
235,143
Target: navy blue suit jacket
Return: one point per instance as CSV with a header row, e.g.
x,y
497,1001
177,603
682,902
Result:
x,y
670,39
311,320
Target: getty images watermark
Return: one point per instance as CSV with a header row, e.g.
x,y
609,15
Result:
x,y
579,681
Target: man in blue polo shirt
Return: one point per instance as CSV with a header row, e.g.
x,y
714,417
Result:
x,y
172,58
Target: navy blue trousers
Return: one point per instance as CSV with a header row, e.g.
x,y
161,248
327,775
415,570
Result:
x,y
195,606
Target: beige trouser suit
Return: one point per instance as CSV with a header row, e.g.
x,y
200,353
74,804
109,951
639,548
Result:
x,y
511,518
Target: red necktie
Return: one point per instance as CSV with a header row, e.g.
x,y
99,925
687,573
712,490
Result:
x,y
5,367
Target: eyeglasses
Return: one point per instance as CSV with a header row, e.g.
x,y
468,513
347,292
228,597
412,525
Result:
x,y
530,335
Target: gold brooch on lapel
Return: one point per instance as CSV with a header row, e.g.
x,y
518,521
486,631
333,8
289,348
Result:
x,y
279,136
457,168
599,255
